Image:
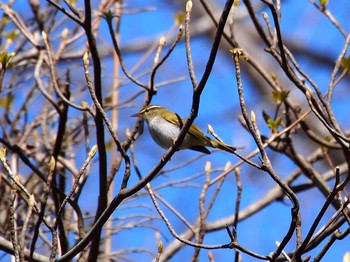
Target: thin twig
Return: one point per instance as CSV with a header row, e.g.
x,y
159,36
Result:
x,y
195,244
188,45
13,225
49,181
75,16
76,183
328,14
107,122
120,57
53,72
237,208
25,226
337,188
266,165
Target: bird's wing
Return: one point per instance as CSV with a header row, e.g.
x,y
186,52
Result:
x,y
177,120
174,119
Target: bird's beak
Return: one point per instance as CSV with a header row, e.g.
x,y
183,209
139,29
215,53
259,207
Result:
x,y
136,115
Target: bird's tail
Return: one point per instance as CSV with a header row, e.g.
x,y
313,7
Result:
x,y
222,146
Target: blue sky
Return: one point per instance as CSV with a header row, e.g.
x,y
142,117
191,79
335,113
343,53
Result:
x,y
302,25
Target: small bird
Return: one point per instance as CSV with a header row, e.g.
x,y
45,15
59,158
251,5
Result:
x,y
165,125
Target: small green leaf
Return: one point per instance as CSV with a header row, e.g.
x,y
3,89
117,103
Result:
x,y
5,58
3,153
323,2
4,22
72,2
238,53
107,100
274,124
5,102
179,18
266,116
279,121
108,15
11,35
280,96
324,148
345,63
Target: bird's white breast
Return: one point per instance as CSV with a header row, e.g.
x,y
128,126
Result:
x,y
163,132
